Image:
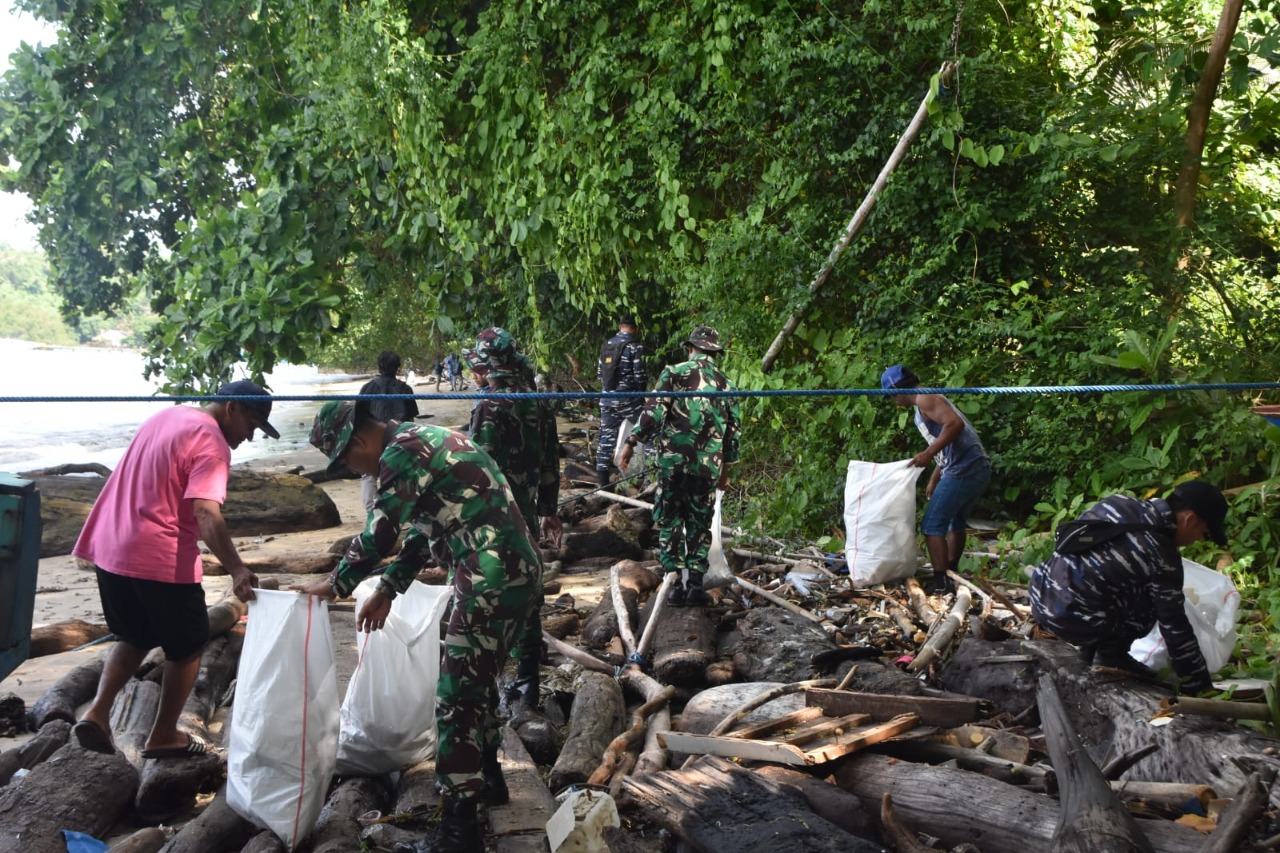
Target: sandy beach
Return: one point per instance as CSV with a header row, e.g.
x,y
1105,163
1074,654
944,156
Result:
x,y
66,592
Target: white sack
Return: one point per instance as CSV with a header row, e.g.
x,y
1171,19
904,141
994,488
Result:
x,y
284,729
1212,604
880,521
718,571
389,713
624,430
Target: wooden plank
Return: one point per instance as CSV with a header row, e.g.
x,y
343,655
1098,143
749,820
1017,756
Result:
x,y
854,741
825,728
732,747
786,721
932,711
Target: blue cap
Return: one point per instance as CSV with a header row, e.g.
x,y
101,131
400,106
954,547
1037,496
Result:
x,y
898,377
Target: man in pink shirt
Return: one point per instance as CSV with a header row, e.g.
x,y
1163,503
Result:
x,y
142,538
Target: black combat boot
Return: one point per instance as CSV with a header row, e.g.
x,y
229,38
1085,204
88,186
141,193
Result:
x,y
459,831
694,594
603,477
523,689
494,792
676,595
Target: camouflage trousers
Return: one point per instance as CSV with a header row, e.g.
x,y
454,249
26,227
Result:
x,y
611,417
478,638
682,512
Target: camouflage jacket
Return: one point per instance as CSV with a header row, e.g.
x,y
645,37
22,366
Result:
x,y
697,434
1135,578
521,437
447,491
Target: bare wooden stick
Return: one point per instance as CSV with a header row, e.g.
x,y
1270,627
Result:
x,y
920,603
994,591
623,499
778,600
760,700
859,219
1222,709
619,746
646,638
1248,805
902,839
625,631
946,631
577,655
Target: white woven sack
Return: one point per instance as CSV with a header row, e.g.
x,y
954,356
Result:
x,y
718,571
389,713
880,521
284,729
1212,604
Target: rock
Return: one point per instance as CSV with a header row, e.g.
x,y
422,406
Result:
x,y
257,503
777,646
705,710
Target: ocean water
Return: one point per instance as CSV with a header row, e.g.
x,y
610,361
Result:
x,y
39,435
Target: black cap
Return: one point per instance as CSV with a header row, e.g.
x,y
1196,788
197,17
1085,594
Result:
x,y
627,320
261,408
1207,502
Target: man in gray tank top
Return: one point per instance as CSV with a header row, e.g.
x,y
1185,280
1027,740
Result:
x,y
961,476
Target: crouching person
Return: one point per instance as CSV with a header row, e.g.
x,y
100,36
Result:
x,y
1119,572
445,491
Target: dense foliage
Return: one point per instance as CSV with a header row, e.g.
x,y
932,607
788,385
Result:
x,y
321,180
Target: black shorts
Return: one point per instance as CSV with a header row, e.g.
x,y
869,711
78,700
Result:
x,y
147,614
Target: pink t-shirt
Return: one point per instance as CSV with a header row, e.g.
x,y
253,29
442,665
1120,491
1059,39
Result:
x,y
143,525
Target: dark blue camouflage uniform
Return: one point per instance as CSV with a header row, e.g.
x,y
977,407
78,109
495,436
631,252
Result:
x,y
1112,595
631,376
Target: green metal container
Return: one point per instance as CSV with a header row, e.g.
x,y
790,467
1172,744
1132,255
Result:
x,y
19,564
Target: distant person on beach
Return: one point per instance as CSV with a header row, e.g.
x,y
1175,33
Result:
x,y
452,366
142,537
400,411
959,478
439,373
444,491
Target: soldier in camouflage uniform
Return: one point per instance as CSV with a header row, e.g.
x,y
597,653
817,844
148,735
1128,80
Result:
x,y
619,368
1110,595
521,437
449,493
697,439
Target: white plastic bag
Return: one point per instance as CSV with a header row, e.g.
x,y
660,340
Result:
x,y
718,571
880,521
624,430
284,729
1212,604
389,713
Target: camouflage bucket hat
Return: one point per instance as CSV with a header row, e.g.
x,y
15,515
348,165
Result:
x,y
496,347
704,338
475,362
332,429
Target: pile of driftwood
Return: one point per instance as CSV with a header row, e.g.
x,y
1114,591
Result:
x,y
794,713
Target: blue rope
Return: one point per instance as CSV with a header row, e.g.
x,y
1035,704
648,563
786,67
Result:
x,y
1044,390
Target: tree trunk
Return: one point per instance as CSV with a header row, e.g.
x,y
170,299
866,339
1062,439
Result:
x,y
337,830
1184,196
264,842
684,644
147,840
218,827
595,718
75,789
49,740
64,636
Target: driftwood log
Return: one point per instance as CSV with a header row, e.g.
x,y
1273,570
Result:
x,y
684,643
64,636
619,746
75,789
218,827
634,580
257,503
67,694
1091,818
940,801
416,790
614,535
169,787
337,830
715,805
132,716
827,800
264,842
1110,713
146,840
47,741
596,717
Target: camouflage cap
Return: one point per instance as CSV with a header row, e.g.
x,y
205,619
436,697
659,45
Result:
x,y
475,362
495,346
704,338
332,429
